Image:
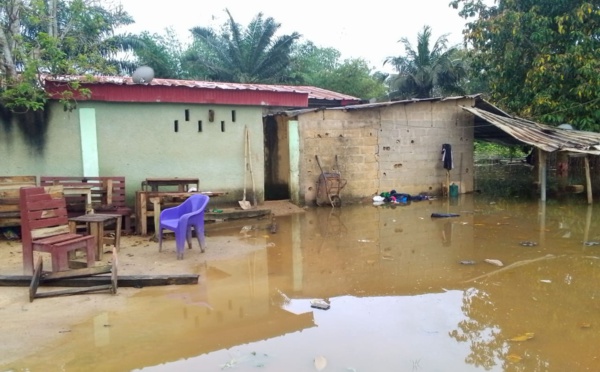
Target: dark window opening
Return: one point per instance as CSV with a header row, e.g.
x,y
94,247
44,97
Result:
x,y
176,126
199,125
187,115
222,126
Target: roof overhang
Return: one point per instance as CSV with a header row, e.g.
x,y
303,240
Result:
x,y
493,125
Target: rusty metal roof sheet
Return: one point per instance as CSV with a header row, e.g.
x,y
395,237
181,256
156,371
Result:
x,y
523,131
313,92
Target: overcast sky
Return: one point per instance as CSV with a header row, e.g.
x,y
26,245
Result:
x,y
368,30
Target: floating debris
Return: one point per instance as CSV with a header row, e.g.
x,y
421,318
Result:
x,y
320,363
523,337
319,304
545,280
514,358
467,262
528,244
494,262
591,243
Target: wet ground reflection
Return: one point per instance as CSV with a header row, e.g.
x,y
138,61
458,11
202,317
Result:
x,y
400,298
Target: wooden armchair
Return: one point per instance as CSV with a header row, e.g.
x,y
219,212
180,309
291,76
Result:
x,y
45,228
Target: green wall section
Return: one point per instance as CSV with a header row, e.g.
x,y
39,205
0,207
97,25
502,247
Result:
x,y
89,142
139,141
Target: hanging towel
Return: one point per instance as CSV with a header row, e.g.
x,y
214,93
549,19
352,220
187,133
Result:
x,y
447,156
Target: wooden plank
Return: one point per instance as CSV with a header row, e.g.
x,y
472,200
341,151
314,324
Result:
x,y
138,281
35,278
77,273
67,292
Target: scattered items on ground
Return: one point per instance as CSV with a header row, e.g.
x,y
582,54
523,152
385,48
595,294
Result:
x,y
494,262
591,243
528,244
394,197
467,262
545,281
319,304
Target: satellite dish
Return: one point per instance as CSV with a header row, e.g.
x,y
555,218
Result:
x,y
566,126
143,75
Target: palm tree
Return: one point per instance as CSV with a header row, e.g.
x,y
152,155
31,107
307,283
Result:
x,y
253,55
425,72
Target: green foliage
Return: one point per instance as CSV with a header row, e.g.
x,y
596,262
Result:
x,y
353,77
54,38
250,55
426,71
492,150
540,57
163,52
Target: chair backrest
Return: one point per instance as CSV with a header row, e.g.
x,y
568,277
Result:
x,y
195,203
43,213
106,191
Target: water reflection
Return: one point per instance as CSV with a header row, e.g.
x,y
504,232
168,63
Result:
x,y
400,298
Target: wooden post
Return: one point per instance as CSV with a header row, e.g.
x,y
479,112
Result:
x,y
588,180
542,159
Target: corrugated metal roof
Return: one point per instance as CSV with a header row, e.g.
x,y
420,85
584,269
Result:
x,y
391,103
313,92
542,136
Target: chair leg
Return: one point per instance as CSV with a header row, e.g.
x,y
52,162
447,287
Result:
x,y
200,236
180,239
188,237
90,249
160,238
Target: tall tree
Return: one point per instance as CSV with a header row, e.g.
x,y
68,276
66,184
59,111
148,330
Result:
x,y
250,55
54,37
539,56
162,52
354,77
427,70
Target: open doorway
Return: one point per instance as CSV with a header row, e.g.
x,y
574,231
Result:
x,y
277,158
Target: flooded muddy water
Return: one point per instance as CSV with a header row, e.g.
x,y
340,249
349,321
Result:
x,y
407,292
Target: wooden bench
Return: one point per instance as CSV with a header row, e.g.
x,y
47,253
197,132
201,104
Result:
x,y
10,214
107,196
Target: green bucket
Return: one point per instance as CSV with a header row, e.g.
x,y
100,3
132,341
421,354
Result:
x,y
454,190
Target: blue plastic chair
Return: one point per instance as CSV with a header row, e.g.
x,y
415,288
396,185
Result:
x,y
181,219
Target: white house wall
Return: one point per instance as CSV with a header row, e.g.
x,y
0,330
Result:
x,y
139,141
395,147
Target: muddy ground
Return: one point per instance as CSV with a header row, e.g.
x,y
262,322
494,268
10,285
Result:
x,y
27,326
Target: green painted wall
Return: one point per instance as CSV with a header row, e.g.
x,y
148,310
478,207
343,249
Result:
x,y
138,141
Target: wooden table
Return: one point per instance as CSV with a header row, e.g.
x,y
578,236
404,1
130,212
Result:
x,y
94,224
157,199
181,183
81,190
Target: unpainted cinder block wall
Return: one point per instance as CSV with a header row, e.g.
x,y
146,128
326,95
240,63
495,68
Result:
x,y
394,147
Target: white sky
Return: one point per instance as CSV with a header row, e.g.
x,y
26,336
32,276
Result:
x,y
368,30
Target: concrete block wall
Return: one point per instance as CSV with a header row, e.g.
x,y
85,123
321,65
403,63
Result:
x,y
352,138
394,147
410,144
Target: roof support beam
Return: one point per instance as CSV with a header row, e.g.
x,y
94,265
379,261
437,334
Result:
x,y
542,162
588,180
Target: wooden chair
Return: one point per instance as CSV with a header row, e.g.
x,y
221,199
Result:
x,y
45,228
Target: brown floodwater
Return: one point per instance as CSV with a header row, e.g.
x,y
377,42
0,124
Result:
x,y
407,292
